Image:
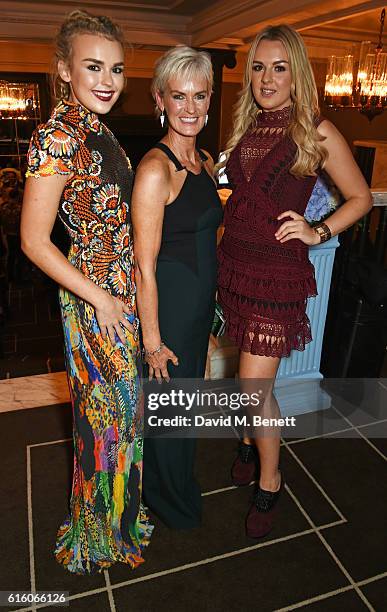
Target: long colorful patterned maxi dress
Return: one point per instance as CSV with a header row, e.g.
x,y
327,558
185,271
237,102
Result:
x,y
107,522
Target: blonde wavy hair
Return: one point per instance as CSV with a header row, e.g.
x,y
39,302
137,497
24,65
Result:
x,y
302,129
79,22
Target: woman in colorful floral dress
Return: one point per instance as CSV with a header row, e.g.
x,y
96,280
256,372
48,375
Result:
x,y
76,169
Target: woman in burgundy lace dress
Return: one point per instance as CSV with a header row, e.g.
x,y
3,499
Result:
x,y
279,143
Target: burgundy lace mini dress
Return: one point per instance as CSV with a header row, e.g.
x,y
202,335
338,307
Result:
x,y
263,285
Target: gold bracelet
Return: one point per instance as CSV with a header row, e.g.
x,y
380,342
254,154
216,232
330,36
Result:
x,y
323,231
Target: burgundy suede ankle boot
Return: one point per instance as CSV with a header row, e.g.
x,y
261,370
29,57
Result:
x,y
245,467
260,518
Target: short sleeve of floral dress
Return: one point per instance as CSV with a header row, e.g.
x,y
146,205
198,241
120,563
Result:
x,y
107,522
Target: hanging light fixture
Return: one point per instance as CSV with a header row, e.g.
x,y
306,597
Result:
x,y
339,81
18,100
368,92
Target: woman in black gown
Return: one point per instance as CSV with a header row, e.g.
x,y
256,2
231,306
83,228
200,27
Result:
x,y
176,212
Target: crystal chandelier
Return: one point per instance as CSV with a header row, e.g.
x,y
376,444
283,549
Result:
x,y
368,91
18,100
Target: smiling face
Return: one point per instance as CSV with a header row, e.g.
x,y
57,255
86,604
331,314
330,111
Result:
x,y
271,77
185,102
95,72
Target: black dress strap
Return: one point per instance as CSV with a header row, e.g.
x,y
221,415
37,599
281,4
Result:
x,y
163,147
202,155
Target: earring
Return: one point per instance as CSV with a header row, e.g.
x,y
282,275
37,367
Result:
x,y
206,120
162,118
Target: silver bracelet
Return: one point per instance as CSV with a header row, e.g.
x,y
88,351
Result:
x,y
156,350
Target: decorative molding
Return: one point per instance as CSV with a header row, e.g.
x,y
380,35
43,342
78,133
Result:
x,y
244,19
113,5
226,24
360,8
333,32
127,4
228,17
227,43
19,21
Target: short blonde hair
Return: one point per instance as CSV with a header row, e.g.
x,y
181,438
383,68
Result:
x,y
181,62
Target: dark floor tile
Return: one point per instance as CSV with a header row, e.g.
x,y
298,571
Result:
x,y
14,562
214,458
96,603
34,426
16,430
377,434
345,435
14,544
354,476
348,601
222,453
350,471
223,530
312,500
362,401
264,579
376,593
317,423
51,486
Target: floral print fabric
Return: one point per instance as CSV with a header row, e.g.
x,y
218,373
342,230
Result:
x,y
324,200
107,522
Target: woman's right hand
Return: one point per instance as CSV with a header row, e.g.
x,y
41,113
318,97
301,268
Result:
x,y
158,363
110,314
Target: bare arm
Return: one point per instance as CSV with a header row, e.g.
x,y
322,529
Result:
x,y
150,194
40,206
345,173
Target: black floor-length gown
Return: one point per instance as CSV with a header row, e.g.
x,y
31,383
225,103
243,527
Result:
x,y
186,280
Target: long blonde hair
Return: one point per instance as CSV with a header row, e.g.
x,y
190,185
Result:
x,y
302,129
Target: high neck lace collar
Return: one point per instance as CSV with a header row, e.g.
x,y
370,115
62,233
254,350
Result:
x,y
275,118
76,113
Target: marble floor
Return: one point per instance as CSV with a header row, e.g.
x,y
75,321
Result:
x,y
33,391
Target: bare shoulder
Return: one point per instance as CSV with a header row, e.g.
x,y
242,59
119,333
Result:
x,y
155,165
152,180
327,129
